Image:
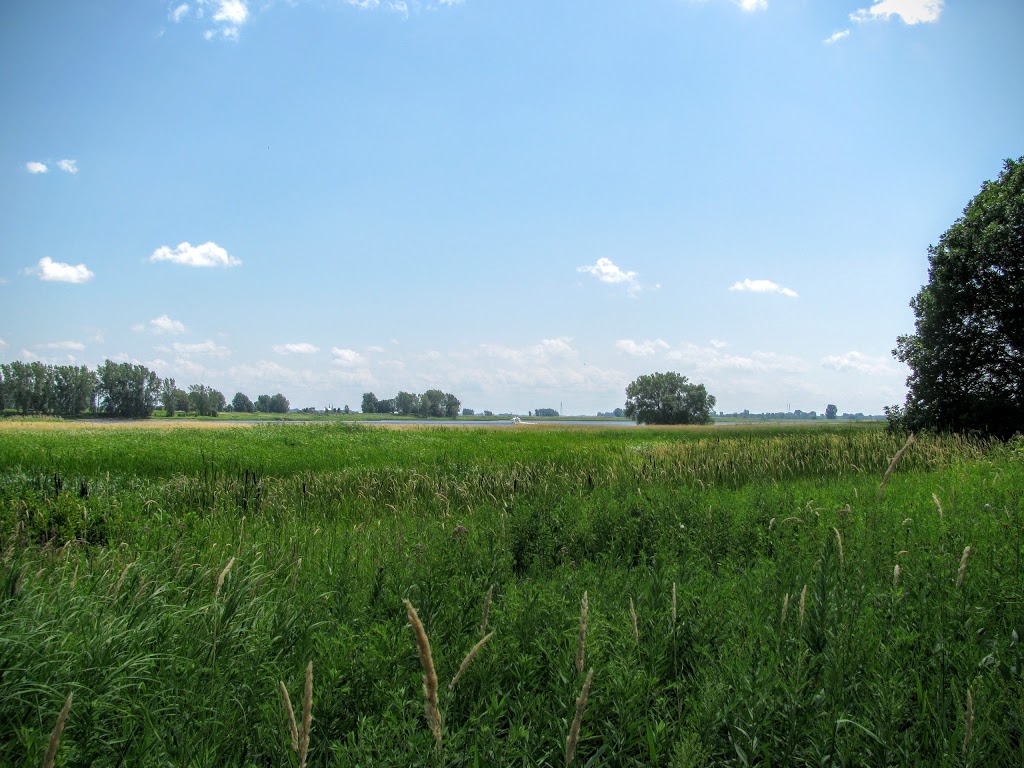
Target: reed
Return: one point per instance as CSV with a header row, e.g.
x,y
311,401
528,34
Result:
x,y
58,728
469,659
892,465
574,731
433,710
963,567
223,575
581,642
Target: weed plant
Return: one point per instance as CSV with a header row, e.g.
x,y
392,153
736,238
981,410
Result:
x,y
742,600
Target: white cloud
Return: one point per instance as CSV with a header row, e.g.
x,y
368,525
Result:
x,y
202,348
364,3
58,272
179,13
908,11
607,271
399,6
234,12
34,167
164,324
75,346
762,286
68,166
860,363
642,349
711,358
206,255
347,357
301,348
718,344
835,37
2,343
753,5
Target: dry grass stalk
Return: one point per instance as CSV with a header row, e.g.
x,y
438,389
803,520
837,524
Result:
x,y
803,604
295,574
290,714
120,581
223,575
636,628
51,750
581,643
968,722
487,610
963,567
839,543
938,504
893,463
785,609
433,712
574,731
469,659
307,716
896,575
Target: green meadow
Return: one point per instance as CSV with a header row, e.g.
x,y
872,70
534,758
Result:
x,y
753,596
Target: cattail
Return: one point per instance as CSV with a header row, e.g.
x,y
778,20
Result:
x,y
581,643
433,712
487,610
839,543
785,609
963,567
51,751
574,731
636,628
937,504
968,721
223,575
892,465
290,713
468,660
896,575
803,604
307,712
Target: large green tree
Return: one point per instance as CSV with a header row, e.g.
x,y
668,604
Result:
x,y
668,398
127,390
967,355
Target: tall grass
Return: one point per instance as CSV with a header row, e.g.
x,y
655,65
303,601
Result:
x,y
179,582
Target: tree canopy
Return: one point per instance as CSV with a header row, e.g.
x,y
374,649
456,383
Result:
x,y
667,398
967,354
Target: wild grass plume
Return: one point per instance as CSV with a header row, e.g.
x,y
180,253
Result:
x,y
431,706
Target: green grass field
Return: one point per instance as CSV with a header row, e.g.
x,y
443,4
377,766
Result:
x,y
744,605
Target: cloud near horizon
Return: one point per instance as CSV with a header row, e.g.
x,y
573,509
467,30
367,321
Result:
x,y
860,363
300,348
209,254
58,272
762,286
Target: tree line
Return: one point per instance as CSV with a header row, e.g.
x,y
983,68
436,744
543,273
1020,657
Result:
x,y
432,403
124,390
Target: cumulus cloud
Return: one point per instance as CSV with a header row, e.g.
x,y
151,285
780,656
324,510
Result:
x,y
206,255
232,12
2,343
34,167
607,271
68,166
74,346
835,37
762,286
858,362
640,349
57,272
908,11
753,5
346,357
300,348
164,325
179,12
209,347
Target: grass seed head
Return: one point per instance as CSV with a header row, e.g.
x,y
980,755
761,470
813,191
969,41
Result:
x,y
896,575
433,711
963,567
51,750
574,732
581,642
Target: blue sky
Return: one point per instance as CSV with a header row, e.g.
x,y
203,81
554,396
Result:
x,y
525,203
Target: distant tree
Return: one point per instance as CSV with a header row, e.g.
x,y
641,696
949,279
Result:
x,y
73,390
468,412
831,411
126,390
279,404
369,402
545,412
263,403
204,400
667,398
346,410
618,413
180,401
406,403
432,404
384,406
451,405
967,355
241,403
167,399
